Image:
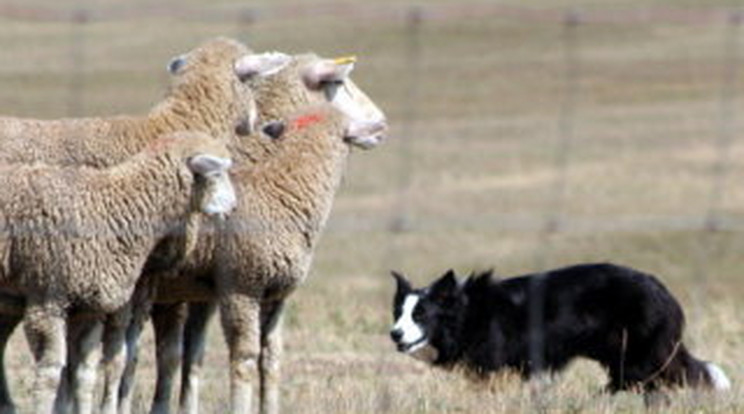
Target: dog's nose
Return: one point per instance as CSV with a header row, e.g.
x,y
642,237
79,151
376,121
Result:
x,y
396,335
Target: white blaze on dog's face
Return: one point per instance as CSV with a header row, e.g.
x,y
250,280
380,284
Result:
x,y
412,334
409,329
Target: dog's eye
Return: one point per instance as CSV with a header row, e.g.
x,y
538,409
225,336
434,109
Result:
x,y
418,313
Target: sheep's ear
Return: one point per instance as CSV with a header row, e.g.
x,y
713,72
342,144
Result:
x,y
176,64
326,71
262,64
205,164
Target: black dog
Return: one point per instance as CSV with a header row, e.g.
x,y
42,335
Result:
x,y
624,319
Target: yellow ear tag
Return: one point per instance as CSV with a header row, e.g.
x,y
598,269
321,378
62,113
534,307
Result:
x,y
345,60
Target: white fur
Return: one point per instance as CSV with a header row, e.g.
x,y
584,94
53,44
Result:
x,y
412,333
718,377
344,99
365,134
222,200
367,123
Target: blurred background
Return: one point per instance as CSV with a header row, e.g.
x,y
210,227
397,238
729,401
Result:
x,y
524,136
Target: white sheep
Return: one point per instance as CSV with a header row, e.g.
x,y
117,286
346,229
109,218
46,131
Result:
x,y
209,92
77,238
286,198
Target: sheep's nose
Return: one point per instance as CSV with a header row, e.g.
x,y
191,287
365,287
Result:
x,y
396,335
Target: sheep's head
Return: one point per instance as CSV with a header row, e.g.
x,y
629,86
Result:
x,y
218,195
309,79
208,161
215,80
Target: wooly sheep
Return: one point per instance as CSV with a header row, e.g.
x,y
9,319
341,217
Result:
x,y
77,238
267,249
209,92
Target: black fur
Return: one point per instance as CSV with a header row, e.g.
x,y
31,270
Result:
x,y
622,318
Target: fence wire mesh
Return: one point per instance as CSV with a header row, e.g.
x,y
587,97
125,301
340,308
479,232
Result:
x,y
522,137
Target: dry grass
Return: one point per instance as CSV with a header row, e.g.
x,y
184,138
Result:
x,y
470,170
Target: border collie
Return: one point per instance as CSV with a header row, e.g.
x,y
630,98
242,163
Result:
x,y
622,318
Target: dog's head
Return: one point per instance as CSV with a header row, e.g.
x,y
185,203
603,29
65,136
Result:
x,y
426,320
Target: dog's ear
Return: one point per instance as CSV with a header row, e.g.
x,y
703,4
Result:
x,y
402,285
445,287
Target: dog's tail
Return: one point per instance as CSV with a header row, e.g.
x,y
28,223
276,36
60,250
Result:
x,y
685,369
718,379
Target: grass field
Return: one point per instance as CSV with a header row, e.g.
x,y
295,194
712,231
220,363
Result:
x,y
479,107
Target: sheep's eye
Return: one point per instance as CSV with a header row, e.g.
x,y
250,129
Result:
x,y
243,78
331,88
335,82
274,129
243,127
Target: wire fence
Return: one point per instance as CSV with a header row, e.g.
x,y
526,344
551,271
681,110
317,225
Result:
x,y
558,94
417,124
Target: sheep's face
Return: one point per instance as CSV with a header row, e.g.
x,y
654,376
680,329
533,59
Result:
x,y
367,124
215,192
308,80
218,73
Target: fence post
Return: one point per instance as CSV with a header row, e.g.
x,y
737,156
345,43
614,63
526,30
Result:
x,y
555,203
75,100
726,121
713,221
401,220
400,215
246,19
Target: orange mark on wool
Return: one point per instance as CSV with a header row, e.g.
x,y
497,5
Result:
x,y
306,121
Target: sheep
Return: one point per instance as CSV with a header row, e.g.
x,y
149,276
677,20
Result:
x,y
209,92
77,238
285,201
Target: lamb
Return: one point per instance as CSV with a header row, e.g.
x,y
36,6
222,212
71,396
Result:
x,y
210,92
77,238
268,250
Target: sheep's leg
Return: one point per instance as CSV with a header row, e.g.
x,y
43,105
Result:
x,y
114,357
63,402
84,339
195,332
168,321
7,325
271,352
45,327
134,331
141,304
240,317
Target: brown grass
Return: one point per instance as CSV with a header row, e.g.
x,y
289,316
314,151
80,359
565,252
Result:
x,y
471,170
